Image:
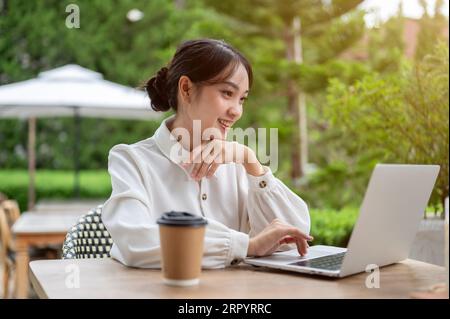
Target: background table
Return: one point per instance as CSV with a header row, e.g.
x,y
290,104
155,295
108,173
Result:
x,y
67,205
38,229
106,278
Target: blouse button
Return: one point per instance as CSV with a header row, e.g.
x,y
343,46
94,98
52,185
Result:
x,y
262,184
204,197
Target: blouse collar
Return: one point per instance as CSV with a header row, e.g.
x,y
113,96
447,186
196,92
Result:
x,y
168,143
169,146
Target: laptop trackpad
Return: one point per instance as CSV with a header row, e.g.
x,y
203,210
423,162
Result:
x,y
293,255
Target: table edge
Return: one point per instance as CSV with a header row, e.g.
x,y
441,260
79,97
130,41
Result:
x,y
36,285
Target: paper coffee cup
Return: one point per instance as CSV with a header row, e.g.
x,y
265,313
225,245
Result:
x,y
181,237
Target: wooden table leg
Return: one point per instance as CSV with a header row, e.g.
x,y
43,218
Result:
x,y
21,273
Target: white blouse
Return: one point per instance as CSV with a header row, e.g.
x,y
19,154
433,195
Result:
x,y
146,182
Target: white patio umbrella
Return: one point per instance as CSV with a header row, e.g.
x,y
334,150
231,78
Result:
x,y
70,90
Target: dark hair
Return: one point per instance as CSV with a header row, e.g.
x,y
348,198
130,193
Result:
x,y
201,61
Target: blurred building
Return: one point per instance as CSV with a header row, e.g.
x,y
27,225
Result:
x,y
411,29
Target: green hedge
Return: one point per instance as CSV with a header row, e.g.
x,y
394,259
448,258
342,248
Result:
x,y
54,185
328,226
333,227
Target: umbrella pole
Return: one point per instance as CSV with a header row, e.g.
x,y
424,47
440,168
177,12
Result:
x,y
76,150
31,161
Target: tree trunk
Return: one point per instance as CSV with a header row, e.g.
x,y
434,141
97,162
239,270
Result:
x,y
297,103
180,4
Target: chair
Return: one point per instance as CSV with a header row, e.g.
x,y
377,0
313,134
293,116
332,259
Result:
x,y
12,210
5,251
89,238
3,197
9,213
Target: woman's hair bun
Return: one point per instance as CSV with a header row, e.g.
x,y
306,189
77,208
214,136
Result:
x,y
156,88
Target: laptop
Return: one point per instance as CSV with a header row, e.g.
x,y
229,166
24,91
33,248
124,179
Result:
x,y
389,218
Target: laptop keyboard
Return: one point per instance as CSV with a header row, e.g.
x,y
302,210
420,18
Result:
x,y
331,262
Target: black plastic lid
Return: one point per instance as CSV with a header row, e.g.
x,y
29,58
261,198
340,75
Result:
x,y
181,219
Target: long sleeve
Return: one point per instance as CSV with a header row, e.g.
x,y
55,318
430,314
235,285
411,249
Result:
x,y
131,220
268,198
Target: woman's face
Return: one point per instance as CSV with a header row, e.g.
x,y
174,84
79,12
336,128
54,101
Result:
x,y
219,106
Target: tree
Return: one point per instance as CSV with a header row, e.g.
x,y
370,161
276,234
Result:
x,y
386,44
290,26
431,29
34,38
404,116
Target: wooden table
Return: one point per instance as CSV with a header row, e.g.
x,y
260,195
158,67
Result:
x,y
107,278
38,229
67,205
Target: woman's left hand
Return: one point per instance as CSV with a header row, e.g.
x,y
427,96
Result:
x,y
207,157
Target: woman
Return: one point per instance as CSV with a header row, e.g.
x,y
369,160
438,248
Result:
x,y
249,211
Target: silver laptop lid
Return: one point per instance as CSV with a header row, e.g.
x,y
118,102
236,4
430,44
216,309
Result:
x,y
389,217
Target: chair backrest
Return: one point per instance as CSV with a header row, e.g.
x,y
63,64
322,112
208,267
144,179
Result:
x,y
88,238
9,213
5,235
3,197
12,210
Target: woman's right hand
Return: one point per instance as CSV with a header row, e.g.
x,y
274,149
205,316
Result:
x,y
274,235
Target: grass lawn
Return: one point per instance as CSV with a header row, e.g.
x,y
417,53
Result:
x,y
53,178
52,184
